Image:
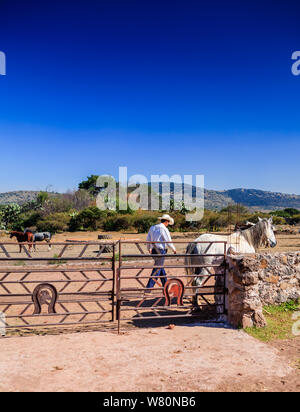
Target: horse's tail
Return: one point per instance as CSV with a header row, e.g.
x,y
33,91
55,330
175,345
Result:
x,y
188,260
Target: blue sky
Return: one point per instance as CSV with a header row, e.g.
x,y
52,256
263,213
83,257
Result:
x,y
185,87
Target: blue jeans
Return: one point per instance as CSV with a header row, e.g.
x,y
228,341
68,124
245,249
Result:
x,y
159,261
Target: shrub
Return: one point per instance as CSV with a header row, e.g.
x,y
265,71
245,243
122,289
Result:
x,y
294,220
90,218
30,219
10,214
143,223
56,204
278,220
56,222
117,223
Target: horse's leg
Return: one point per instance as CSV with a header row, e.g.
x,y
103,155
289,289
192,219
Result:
x,y
49,244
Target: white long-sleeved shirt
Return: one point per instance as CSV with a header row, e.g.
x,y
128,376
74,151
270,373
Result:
x,y
160,233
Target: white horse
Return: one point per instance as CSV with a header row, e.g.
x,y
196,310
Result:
x,y
240,242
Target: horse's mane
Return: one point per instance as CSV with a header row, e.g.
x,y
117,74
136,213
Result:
x,y
255,235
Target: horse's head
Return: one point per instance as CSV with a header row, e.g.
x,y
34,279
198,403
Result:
x,y
11,235
269,235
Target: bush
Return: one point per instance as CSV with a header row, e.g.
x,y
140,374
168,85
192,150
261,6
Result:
x,y
10,215
294,220
30,219
143,223
117,223
278,220
90,218
56,222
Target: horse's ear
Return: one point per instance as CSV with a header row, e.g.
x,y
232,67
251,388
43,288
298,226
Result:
x,y
259,219
271,220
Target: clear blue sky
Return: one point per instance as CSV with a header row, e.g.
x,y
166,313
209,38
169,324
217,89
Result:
x,y
186,87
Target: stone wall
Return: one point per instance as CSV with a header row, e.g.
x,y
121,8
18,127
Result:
x,y
257,280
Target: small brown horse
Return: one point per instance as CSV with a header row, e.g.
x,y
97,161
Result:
x,y
22,238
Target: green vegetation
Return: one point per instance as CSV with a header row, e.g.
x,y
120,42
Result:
x,y
279,322
289,216
77,211
90,185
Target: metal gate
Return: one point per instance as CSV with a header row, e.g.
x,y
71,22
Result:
x,y
70,284
86,283
177,297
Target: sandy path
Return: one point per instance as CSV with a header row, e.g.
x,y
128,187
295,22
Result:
x,y
186,358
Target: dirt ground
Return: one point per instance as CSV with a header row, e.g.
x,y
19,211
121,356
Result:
x,y
187,358
286,242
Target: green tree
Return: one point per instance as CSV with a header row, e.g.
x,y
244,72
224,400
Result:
x,y
90,185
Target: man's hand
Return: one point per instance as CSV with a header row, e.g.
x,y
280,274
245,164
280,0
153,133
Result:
x,y
175,252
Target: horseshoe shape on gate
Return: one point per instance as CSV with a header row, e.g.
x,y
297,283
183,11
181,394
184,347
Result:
x,y
174,288
44,294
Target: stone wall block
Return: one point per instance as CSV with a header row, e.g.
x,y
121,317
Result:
x,y
258,280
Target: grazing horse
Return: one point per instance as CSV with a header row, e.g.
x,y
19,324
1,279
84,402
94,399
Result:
x,y
240,242
22,238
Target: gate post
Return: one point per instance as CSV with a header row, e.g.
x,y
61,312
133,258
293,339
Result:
x,y
113,285
119,286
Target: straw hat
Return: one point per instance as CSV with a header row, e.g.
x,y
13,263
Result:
x,y
167,217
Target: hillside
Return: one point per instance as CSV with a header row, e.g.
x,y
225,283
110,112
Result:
x,y
260,199
214,199
251,198
20,197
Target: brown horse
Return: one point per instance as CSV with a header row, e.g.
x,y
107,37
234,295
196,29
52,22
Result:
x,y
23,238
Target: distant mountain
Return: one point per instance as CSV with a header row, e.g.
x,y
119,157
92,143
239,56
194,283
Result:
x,y
214,199
20,197
252,198
260,199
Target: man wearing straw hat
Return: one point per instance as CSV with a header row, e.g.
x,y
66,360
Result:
x,y
160,233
